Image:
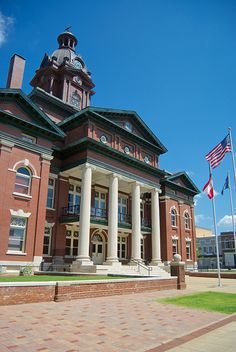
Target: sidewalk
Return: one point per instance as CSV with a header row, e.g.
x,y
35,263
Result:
x,y
127,323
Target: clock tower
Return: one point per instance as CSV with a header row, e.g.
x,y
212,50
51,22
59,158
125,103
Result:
x,y
64,74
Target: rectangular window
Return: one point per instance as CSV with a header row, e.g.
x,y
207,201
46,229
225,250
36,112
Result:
x,y
122,209
188,250
99,209
121,247
74,198
47,241
72,243
174,246
17,234
50,198
29,139
142,248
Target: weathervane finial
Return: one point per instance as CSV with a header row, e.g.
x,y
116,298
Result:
x,y
67,29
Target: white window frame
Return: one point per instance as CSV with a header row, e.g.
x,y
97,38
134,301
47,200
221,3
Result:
x,y
122,207
173,215
53,191
174,243
189,252
76,194
187,224
48,226
121,240
98,198
74,235
19,214
27,177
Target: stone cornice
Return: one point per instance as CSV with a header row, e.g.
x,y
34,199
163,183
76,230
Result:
x,y
25,145
118,171
90,144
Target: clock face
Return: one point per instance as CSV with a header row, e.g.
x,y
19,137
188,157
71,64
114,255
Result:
x,y
78,80
147,160
103,139
77,64
126,150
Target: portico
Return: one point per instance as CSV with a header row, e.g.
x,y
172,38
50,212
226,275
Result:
x,y
111,217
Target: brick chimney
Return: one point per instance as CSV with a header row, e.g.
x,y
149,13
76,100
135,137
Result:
x,y
16,72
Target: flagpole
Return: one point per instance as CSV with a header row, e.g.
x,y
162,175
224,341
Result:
x,y
215,229
232,212
232,152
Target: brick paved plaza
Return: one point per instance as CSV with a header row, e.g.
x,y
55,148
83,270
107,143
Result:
x,y
125,323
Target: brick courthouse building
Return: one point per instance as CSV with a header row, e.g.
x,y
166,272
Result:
x,y
82,185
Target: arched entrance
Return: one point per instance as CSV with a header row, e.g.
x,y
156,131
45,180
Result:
x,y
98,248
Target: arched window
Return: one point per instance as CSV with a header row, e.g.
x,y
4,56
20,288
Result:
x,y
23,181
173,215
186,220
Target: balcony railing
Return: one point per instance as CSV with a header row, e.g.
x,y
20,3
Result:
x,y
73,211
98,213
70,211
146,223
124,218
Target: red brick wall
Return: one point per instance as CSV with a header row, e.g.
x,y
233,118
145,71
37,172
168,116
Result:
x,y
35,205
65,291
75,291
26,294
167,230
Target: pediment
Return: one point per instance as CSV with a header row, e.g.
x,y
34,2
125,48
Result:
x,y
183,180
132,123
17,108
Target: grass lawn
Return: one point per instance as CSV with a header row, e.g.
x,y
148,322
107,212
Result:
x,y
211,301
55,278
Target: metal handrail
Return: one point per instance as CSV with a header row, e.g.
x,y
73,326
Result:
x,y
124,218
98,213
140,264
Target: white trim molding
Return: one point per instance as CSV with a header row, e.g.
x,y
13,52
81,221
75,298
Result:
x,y
174,207
188,239
26,163
49,224
174,237
20,212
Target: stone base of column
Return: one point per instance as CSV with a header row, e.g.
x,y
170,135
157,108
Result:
x,y
156,262
37,262
112,261
83,265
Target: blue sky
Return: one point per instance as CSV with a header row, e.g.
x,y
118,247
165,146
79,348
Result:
x,y
172,61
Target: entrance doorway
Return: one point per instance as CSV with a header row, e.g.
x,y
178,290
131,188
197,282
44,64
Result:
x,y
97,249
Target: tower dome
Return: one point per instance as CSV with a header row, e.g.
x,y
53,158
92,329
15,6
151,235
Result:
x,y
66,51
64,73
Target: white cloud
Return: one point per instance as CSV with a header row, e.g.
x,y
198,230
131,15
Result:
x,y
196,199
226,221
5,24
199,218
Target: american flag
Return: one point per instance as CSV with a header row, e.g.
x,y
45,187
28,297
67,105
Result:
x,y
217,154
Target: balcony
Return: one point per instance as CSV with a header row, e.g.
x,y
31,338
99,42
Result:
x,y
71,213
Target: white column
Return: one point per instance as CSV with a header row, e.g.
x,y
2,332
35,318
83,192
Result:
x,y
136,222
156,239
85,206
112,220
